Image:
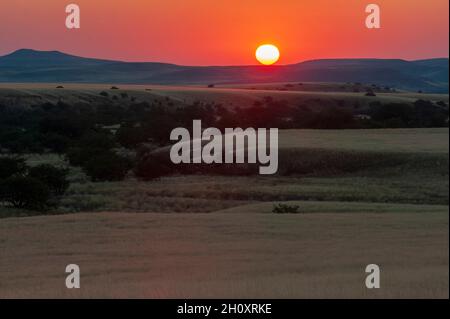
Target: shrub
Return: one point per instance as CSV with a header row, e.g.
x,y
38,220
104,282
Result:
x,y
107,167
55,142
25,192
151,166
10,166
77,156
131,137
69,125
285,209
19,140
402,112
105,94
55,178
97,140
89,146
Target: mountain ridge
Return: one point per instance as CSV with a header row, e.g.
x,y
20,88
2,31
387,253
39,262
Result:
x,y
27,65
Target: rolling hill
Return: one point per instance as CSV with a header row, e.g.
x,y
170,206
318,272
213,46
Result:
x,y
52,66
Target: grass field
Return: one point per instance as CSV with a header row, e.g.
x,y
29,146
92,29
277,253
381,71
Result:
x,y
28,94
384,140
244,254
350,166
364,196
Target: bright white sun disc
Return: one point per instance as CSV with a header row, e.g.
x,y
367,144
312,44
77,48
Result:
x,y
267,54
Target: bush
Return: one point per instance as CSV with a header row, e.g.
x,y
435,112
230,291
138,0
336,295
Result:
x,y
285,209
131,137
107,167
10,166
88,146
151,166
69,125
53,177
55,142
19,140
96,140
77,156
25,192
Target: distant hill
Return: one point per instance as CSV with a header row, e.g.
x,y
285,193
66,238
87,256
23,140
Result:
x,y
52,66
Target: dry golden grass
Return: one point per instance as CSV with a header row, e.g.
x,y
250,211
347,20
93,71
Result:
x,y
424,140
226,255
239,249
32,93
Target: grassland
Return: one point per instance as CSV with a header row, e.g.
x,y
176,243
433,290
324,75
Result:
x,y
404,166
226,255
229,96
364,196
216,236
385,140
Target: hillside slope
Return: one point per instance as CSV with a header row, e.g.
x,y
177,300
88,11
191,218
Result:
x,y
52,66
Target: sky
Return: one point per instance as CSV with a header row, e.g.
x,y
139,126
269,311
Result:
x,y
227,32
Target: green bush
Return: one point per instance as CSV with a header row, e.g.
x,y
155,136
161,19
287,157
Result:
x,y
55,142
97,140
11,166
55,178
30,188
78,156
107,167
18,140
286,209
25,192
152,166
131,137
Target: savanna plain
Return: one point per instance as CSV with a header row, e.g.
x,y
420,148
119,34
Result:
x,y
217,236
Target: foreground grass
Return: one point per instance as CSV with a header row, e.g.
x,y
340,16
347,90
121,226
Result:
x,y
225,255
364,197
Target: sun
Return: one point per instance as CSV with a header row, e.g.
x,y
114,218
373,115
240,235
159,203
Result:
x,y
267,54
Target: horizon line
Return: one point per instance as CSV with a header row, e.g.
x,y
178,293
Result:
x,y
229,65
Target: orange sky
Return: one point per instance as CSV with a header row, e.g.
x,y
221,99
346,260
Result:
x,y
225,32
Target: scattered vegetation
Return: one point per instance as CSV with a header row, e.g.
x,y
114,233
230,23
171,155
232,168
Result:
x,y
285,209
53,177
107,166
110,140
31,188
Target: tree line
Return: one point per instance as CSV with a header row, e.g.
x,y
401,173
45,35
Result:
x,y
108,141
